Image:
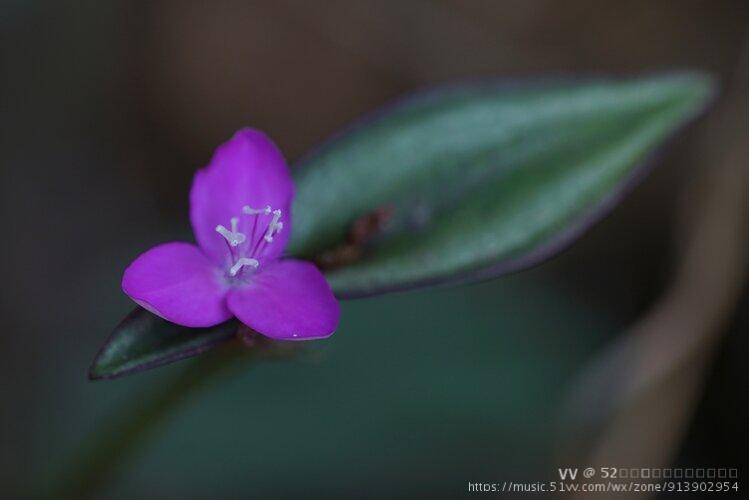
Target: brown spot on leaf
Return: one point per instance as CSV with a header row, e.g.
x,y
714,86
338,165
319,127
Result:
x,y
360,233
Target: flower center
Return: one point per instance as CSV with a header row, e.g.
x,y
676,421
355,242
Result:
x,y
261,225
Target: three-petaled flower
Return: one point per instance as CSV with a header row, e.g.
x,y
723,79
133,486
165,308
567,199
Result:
x,y
240,208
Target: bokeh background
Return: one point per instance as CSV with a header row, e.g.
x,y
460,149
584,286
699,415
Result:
x,y
109,107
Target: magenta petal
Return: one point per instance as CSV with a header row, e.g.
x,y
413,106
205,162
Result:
x,y
287,300
247,170
179,283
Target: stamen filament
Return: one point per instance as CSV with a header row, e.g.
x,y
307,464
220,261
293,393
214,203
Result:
x,y
231,249
242,262
254,227
255,250
234,237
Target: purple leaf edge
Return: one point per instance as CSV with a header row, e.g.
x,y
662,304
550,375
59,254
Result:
x,y
563,239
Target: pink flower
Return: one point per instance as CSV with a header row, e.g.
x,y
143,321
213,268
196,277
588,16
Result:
x,y
240,210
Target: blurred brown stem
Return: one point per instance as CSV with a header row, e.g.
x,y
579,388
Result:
x,y
648,382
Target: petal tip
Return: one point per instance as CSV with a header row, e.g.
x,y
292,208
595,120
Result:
x,y
290,300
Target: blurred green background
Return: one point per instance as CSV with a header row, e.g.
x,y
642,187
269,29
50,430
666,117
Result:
x,y
108,108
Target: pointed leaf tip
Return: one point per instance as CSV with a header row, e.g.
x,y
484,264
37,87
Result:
x,y
485,178
143,341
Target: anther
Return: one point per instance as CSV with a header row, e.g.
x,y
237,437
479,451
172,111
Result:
x,y
256,211
234,237
244,261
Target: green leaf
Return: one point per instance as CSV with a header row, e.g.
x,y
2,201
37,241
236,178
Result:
x,y
484,178
481,179
143,340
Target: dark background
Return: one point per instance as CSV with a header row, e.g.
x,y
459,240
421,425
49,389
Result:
x,y
107,110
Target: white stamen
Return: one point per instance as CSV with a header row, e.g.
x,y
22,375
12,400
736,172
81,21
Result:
x,y
274,227
256,211
244,261
234,237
